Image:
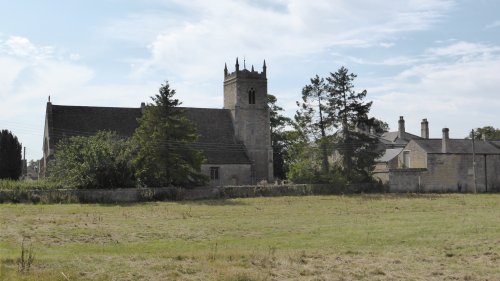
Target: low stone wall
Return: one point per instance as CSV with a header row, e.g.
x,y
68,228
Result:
x,y
131,195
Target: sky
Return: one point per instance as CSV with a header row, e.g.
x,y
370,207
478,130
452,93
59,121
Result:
x,y
434,59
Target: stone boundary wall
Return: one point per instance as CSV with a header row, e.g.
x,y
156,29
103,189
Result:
x,y
132,195
424,180
407,180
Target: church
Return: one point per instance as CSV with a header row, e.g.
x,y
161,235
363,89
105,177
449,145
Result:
x,y
236,140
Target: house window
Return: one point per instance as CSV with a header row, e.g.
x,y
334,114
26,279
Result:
x,y
251,96
406,159
214,173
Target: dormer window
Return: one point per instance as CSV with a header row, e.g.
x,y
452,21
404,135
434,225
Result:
x,y
251,96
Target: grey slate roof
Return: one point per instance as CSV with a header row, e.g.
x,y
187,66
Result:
x,y
389,154
457,146
393,137
87,120
217,140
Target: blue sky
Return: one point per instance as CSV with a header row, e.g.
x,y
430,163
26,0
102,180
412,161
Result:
x,y
431,59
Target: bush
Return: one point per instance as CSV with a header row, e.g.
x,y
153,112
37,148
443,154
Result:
x,y
29,185
99,161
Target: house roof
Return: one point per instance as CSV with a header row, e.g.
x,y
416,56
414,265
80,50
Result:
x,y
217,139
457,146
394,137
389,154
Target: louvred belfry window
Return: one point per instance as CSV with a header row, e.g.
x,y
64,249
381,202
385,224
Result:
x,y
251,96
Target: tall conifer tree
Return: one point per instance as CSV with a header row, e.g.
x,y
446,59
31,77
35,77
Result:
x,y
10,156
165,144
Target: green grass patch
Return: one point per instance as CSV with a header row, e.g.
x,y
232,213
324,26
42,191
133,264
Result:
x,y
358,237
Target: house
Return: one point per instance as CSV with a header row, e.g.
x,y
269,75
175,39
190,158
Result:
x,y
235,140
393,143
444,165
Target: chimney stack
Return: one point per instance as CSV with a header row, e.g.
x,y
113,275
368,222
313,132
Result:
x,y
424,129
143,107
401,127
446,140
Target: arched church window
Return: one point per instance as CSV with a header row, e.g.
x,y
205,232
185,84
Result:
x,y
251,96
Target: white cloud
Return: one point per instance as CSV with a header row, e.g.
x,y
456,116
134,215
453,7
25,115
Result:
x,y
460,93
74,57
463,49
295,28
22,47
386,44
30,73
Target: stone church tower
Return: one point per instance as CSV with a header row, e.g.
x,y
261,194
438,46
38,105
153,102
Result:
x,y
245,95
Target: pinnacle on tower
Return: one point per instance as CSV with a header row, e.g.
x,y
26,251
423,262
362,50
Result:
x,y
225,69
237,64
252,68
264,67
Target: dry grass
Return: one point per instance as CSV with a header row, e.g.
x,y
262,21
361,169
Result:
x,y
365,237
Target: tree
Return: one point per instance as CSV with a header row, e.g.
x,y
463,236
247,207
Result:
x,y
312,118
348,109
164,151
333,121
486,132
98,161
10,156
280,137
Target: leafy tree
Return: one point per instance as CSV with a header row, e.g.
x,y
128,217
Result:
x,y
312,117
10,156
280,137
164,144
99,161
348,109
486,132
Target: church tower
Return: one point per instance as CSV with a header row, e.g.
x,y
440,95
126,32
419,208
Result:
x,y
245,94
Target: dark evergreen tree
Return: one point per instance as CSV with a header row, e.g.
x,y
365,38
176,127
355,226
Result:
x,y
349,110
165,153
10,156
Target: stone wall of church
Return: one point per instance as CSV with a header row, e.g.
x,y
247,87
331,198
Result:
x,y
251,119
229,174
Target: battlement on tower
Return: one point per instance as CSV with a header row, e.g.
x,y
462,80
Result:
x,y
245,73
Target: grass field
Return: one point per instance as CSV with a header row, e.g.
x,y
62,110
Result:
x,y
361,237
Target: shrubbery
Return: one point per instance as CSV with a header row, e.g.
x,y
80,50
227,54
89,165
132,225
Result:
x,y
99,161
29,185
